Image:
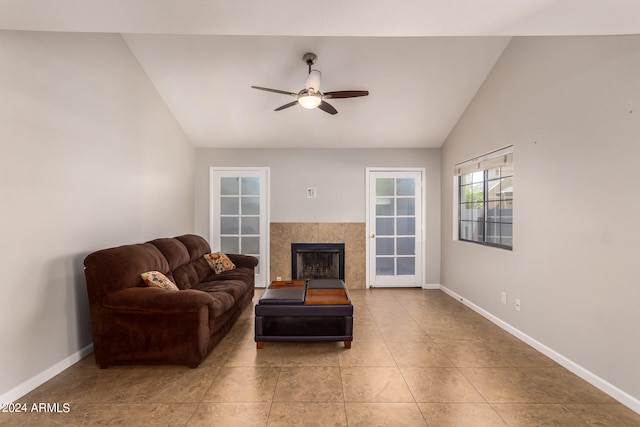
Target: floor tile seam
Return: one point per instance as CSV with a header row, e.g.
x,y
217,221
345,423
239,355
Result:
x,y
544,386
472,384
539,387
494,409
586,423
272,397
413,396
444,353
213,380
564,405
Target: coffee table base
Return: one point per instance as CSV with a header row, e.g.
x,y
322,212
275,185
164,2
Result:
x,y
321,316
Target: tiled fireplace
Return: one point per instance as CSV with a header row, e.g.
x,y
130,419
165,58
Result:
x,y
352,235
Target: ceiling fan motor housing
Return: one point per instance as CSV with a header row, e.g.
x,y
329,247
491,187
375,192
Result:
x,y
313,81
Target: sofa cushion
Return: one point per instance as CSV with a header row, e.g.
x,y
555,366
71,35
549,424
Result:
x,y
110,270
156,279
196,245
244,274
235,288
219,262
222,302
173,250
191,273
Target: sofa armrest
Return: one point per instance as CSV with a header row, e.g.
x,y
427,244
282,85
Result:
x,y
246,261
156,300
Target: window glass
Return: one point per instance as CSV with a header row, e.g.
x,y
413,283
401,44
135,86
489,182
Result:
x,y
485,210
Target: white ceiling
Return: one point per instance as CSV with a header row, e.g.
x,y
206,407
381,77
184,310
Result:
x,y
421,60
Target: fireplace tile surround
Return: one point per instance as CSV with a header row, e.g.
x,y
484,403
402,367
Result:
x,y
353,235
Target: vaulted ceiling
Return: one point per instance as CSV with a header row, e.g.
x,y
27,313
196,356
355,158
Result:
x,y
421,60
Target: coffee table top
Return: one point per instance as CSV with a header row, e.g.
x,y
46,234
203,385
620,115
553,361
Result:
x,y
326,297
306,292
288,284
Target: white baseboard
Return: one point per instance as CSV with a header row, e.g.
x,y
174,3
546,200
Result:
x,y
613,391
431,286
44,376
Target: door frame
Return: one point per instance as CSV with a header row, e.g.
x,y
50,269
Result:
x,y
262,281
371,216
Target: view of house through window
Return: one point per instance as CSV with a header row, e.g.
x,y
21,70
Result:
x,y
485,199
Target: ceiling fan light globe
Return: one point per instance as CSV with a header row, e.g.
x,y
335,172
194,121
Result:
x,y
310,100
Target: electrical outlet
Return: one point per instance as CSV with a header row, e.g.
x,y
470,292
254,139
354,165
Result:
x,y
278,278
518,306
504,298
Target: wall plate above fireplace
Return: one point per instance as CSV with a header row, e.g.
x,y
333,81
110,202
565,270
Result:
x,y
311,193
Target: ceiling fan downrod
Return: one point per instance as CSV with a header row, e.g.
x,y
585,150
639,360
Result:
x,y
309,58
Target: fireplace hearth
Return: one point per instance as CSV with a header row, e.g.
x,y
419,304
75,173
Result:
x,y
317,261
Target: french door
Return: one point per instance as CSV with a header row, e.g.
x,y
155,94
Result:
x,y
395,227
239,215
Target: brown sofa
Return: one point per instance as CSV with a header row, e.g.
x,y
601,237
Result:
x,y
135,323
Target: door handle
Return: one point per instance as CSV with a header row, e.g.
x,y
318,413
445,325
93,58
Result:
x,y
373,235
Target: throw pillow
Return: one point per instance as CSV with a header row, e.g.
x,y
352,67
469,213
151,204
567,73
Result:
x,y
219,262
156,279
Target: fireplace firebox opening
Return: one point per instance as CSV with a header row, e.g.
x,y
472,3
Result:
x,y
317,261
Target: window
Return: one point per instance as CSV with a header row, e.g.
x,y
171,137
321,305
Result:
x,y
485,199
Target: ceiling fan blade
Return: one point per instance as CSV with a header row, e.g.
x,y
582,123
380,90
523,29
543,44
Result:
x,y
346,94
275,90
291,104
327,108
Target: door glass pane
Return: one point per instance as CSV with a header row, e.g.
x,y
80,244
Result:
x,y
250,205
230,245
384,226
229,186
385,266
251,186
250,245
384,187
384,206
250,225
406,226
405,187
229,206
384,246
406,206
406,245
229,225
406,266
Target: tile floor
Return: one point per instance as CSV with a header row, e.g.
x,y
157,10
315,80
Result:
x,y
419,358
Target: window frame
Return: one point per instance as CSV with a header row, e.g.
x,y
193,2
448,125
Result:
x,y
500,160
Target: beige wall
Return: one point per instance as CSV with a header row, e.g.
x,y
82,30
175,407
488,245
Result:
x,y
571,108
339,177
91,158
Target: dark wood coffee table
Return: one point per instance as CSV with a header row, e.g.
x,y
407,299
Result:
x,y
304,310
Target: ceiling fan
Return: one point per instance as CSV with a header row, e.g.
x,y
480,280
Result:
x,y
310,97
